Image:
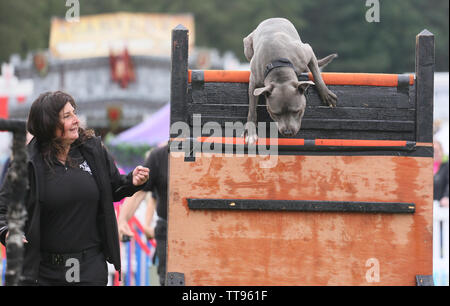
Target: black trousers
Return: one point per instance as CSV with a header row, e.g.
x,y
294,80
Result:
x,y
161,245
91,271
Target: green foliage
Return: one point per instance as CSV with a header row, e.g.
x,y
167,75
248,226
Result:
x,y
328,25
128,156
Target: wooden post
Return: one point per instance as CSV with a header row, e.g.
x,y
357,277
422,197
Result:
x,y
424,86
179,75
16,185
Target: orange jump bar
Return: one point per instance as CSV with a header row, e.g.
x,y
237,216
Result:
x,y
261,141
301,142
223,76
330,78
360,143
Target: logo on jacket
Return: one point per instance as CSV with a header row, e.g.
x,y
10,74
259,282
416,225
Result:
x,y
85,167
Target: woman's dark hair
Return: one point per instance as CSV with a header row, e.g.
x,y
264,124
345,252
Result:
x,y
44,120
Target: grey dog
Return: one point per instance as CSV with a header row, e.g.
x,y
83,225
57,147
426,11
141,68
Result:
x,y
277,56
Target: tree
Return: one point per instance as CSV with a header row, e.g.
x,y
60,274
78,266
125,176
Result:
x,y
328,25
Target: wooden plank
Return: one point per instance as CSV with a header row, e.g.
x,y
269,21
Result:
x,y
425,85
364,96
348,96
239,111
300,206
13,125
306,147
334,124
322,133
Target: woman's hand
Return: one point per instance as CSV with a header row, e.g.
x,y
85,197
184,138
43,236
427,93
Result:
x,y
140,175
444,202
124,230
149,232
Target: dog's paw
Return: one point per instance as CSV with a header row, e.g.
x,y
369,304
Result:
x,y
329,98
250,136
251,140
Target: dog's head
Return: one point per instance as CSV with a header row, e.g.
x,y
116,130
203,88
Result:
x,y
286,104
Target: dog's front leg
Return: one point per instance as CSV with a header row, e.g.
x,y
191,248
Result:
x,y
250,134
327,96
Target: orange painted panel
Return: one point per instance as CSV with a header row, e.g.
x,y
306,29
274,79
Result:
x,y
300,248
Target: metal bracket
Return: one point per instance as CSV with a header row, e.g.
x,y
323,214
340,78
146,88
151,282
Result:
x,y
198,83
175,279
424,280
403,83
190,156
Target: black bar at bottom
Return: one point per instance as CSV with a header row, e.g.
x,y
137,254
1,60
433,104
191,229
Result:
x,y
306,206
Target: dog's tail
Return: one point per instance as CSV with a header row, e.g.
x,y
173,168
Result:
x,y
326,60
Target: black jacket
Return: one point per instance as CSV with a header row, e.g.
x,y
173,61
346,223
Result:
x,y
112,186
441,182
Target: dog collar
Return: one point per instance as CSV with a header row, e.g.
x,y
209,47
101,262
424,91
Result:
x,y
281,62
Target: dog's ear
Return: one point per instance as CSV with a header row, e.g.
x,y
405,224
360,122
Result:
x,y
267,90
302,86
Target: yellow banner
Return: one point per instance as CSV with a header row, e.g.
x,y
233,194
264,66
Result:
x,y
97,35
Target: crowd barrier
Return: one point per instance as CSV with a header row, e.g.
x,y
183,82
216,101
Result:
x,y
137,258
440,245
2,264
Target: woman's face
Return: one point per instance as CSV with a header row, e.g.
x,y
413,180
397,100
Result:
x,y
70,124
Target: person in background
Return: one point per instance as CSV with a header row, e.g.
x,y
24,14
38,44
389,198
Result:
x,y
157,184
73,183
129,209
8,161
5,170
441,175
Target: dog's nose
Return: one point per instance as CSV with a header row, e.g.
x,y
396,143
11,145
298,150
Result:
x,y
288,132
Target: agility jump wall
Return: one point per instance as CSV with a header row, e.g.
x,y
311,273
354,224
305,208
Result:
x,y
349,194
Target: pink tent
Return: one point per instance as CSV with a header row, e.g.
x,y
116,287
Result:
x,y
151,132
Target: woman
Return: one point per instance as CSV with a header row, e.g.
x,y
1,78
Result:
x,y
71,230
